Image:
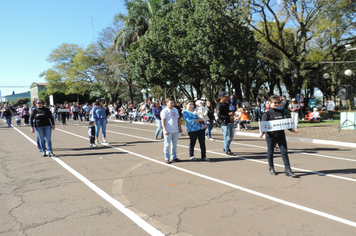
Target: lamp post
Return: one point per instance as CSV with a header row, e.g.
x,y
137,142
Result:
x,y
348,72
327,76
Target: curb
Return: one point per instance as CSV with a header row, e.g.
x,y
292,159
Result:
x,y
305,140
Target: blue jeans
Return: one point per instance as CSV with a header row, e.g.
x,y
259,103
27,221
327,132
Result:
x,y
210,127
228,132
8,120
100,122
44,134
170,140
159,128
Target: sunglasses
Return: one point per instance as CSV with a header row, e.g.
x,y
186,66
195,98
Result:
x,y
39,102
275,102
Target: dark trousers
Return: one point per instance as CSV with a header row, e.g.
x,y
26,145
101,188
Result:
x,y
92,139
282,143
26,118
75,115
193,136
331,114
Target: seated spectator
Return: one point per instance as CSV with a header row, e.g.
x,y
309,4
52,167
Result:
x,y
315,115
243,119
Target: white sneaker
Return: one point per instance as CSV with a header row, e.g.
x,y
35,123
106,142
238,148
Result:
x,y
94,145
206,137
211,139
91,145
96,142
205,159
193,158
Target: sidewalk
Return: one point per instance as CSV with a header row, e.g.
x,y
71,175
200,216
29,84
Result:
x,y
324,134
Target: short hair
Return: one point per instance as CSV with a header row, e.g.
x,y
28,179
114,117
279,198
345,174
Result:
x,y
169,99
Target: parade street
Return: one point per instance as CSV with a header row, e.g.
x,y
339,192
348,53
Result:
x,y
126,188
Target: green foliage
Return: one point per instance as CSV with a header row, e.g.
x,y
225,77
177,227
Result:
x,y
197,43
19,102
60,98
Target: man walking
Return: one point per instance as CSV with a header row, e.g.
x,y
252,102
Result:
x,y
226,121
172,126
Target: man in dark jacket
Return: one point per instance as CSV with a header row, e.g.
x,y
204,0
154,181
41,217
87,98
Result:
x,y
226,121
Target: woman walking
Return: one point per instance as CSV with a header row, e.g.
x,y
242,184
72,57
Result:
x,y
195,131
210,122
7,113
274,137
26,115
63,115
100,118
156,110
42,122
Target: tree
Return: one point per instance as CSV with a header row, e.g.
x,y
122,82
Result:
x,y
302,31
19,102
195,44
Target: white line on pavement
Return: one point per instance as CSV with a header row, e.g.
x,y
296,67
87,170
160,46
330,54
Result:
x,y
262,147
244,158
296,206
131,215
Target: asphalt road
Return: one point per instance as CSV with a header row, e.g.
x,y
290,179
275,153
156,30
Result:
x,y
125,188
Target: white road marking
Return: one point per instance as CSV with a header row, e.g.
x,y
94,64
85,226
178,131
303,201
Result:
x,y
242,158
281,201
261,147
131,215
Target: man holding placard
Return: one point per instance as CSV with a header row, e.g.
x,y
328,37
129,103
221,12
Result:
x,y
273,125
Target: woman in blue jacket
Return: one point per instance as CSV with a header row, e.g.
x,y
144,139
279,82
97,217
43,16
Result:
x,y
100,118
195,131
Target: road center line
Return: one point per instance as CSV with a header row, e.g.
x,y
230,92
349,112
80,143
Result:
x,y
296,206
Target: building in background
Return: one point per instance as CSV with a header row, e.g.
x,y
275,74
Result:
x,y
36,88
9,98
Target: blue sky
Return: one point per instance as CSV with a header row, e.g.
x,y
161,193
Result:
x,y
30,30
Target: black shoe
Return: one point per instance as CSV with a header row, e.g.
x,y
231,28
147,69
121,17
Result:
x,y
289,172
273,172
176,160
44,154
229,152
51,154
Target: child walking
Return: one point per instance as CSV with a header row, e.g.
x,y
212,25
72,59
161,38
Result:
x,y
18,119
91,133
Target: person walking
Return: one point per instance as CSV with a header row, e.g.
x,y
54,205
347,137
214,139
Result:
x,y
42,122
156,110
210,122
26,115
75,111
226,121
274,137
63,115
171,128
195,131
91,133
330,107
7,113
100,118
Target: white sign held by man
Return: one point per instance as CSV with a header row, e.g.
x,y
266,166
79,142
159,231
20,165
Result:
x,y
275,125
